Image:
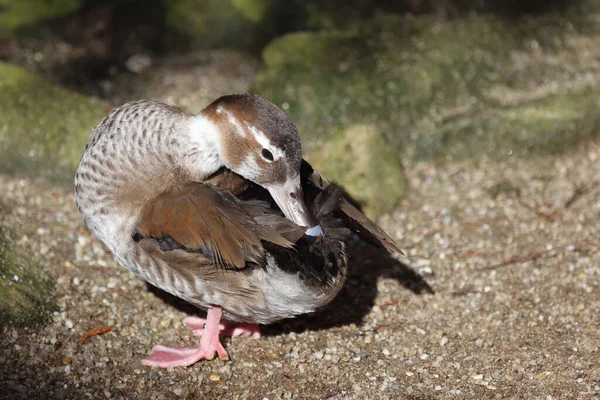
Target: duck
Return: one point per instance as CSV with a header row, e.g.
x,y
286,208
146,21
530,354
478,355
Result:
x,y
219,209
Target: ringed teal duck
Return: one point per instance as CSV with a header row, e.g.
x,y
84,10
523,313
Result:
x,y
218,209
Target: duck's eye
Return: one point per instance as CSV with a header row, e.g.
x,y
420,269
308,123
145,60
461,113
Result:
x,y
267,154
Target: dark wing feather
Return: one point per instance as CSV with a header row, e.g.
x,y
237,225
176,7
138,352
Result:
x,y
199,216
367,229
313,183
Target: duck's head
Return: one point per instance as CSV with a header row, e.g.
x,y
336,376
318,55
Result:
x,y
259,142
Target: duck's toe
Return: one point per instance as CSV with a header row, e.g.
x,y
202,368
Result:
x,y
233,330
165,357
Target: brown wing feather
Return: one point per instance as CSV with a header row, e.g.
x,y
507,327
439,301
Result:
x,y
244,189
358,222
229,181
199,216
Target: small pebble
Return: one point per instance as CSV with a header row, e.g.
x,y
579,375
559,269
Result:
x,y
83,240
138,63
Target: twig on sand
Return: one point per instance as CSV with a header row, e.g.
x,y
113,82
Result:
x,y
535,256
95,332
578,193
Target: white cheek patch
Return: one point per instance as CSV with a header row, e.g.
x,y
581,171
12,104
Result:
x,y
249,168
264,141
232,120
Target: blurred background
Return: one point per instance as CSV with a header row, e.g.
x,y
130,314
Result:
x,y
470,130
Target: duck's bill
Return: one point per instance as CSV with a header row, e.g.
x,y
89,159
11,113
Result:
x,y
290,199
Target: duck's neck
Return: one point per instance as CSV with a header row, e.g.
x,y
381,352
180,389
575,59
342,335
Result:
x,y
204,157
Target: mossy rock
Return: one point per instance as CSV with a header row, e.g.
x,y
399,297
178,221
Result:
x,y
15,14
360,159
43,128
475,88
27,295
240,24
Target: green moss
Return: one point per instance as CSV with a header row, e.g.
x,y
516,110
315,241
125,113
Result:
x,y
17,13
308,50
554,123
475,87
254,11
362,161
43,128
26,292
237,24
550,125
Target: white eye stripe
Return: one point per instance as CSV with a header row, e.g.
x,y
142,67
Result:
x,y
264,141
232,120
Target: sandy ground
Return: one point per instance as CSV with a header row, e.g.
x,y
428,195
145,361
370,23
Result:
x,y
513,310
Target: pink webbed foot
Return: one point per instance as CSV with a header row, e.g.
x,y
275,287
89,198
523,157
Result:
x,y
210,345
165,357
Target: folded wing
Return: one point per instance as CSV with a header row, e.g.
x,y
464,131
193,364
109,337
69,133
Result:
x,y
201,218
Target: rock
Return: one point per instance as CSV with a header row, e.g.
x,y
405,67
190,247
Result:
x,y
43,127
26,292
16,14
360,158
477,88
238,24
138,63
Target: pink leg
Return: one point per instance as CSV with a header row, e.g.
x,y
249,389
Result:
x,y
208,328
226,328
